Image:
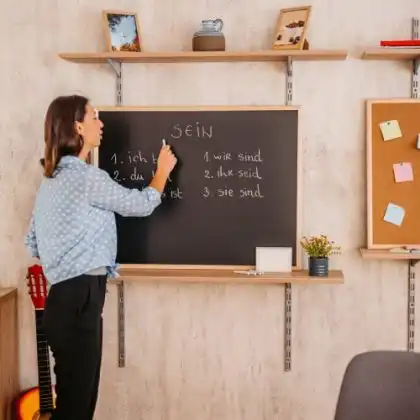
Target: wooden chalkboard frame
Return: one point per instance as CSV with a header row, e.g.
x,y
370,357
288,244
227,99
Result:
x,y
371,224
298,265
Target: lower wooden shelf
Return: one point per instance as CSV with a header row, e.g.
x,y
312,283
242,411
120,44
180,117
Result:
x,y
386,254
225,276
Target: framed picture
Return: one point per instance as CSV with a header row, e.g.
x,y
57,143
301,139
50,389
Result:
x,y
292,25
122,31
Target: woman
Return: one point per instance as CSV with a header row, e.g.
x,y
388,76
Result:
x,y
73,233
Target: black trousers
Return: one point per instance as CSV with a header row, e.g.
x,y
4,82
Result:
x,y
72,324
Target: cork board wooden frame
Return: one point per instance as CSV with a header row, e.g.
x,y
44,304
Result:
x,y
382,187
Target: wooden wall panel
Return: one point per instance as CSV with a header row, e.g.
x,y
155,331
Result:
x,y
9,352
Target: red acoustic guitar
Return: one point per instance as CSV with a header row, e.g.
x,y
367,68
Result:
x,y
38,402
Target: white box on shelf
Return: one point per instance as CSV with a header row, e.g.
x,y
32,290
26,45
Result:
x,y
273,259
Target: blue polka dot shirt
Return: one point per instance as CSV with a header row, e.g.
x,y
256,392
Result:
x,y
72,229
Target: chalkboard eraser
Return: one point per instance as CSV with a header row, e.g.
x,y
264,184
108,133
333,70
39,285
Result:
x,y
418,141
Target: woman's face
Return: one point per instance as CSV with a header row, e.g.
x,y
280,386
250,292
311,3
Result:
x,y
91,128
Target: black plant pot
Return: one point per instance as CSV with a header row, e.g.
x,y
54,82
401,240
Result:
x,y
318,267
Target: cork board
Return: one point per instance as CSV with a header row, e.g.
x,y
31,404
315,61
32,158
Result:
x,y
393,207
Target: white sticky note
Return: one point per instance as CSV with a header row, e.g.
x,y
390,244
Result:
x,y
394,214
390,130
403,172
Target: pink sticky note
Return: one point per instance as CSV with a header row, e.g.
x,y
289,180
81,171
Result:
x,y
403,172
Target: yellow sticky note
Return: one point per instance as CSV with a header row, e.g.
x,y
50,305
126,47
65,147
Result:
x,y
390,130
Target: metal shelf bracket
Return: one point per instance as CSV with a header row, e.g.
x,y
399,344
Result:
x,y
411,305
411,301
288,286
415,79
289,81
117,67
121,323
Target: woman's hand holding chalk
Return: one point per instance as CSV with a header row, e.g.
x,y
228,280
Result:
x,y
165,164
166,159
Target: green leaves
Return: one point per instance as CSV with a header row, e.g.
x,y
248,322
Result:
x,y
319,246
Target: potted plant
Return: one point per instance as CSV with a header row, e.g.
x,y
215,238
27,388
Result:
x,y
319,248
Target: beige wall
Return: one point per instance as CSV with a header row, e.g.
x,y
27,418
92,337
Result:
x,y
209,351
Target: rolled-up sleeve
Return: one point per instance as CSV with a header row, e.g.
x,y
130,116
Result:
x,y
30,239
105,193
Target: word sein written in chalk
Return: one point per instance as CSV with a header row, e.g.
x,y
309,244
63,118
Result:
x,y
195,130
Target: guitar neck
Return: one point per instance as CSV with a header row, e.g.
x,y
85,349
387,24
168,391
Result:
x,y
44,374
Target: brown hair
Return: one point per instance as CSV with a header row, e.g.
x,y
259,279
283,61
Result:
x,y
61,137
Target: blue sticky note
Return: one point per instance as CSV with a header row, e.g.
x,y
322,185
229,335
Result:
x,y
394,214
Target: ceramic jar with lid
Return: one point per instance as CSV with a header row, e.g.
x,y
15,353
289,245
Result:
x,y
210,36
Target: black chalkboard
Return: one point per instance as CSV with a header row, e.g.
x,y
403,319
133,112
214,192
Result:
x,y
234,187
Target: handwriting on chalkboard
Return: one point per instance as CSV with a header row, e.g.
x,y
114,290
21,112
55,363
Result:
x,y
251,171
132,159
197,130
226,191
223,172
222,167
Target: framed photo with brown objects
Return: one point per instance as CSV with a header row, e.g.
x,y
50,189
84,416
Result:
x,y
292,25
122,31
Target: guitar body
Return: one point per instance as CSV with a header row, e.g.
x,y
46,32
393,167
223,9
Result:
x,y
38,402
27,406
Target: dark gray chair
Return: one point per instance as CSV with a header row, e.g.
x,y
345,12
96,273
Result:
x,y
380,385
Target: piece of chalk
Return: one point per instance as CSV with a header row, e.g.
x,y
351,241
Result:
x,y
164,142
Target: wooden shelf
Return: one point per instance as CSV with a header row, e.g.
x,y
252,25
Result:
x,y
9,351
388,53
386,254
204,56
225,276
7,292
